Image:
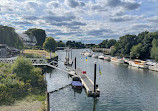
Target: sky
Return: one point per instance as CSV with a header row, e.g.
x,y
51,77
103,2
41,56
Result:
x,y
89,21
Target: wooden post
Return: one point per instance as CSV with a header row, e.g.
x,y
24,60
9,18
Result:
x,y
48,105
95,66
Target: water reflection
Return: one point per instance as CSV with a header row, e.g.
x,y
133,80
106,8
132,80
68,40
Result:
x,y
95,100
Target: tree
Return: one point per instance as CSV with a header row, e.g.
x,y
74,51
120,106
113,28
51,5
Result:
x,y
154,49
39,34
136,51
125,43
111,42
50,44
10,37
61,44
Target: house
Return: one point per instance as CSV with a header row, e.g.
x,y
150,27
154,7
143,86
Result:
x,y
28,40
3,50
6,51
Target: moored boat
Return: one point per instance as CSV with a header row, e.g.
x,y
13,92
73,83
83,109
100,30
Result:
x,y
88,54
117,60
95,56
76,82
101,57
153,66
139,63
107,58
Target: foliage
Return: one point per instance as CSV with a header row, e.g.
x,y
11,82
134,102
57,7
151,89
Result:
x,y
107,43
61,44
73,44
10,37
154,49
136,51
50,44
39,34
19,80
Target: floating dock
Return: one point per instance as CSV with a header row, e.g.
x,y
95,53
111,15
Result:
x,y
88,84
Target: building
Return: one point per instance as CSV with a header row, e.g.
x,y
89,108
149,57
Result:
x,y
3,50
28,40
6,51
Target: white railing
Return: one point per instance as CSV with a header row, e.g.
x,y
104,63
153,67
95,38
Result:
x,y
34,60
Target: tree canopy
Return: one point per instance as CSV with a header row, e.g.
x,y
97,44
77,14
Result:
x,y
10,37
39,34
50,44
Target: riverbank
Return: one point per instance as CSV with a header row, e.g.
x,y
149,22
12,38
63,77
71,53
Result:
x,y
29,103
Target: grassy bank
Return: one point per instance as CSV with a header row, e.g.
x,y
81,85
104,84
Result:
x,y
38,53
29,103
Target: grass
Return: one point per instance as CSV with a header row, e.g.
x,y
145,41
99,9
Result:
x,y
29,103
39,52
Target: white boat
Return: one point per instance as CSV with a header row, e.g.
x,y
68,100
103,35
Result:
x,y
95,56
107,58
88,54
139,64
153,66
117,60
101,57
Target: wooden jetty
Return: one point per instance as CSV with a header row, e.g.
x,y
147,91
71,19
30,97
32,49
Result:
x,y
88,84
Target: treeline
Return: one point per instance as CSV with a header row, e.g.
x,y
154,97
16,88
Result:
x,y
19,80
10,37
141,46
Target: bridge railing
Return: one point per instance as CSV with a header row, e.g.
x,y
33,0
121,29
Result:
x,y
34,60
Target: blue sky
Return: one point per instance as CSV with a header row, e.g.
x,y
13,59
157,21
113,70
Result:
x,y
81,20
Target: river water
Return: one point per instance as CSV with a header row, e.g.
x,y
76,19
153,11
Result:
x,y
122,88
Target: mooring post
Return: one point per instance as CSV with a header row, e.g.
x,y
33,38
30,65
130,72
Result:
x,y
75,63
71,54
95,68
48,105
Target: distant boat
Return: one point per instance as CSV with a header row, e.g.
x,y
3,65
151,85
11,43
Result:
x,y
139,63
95,56
101,57
82,53
153,66
117,60
76,82
88,54
107,58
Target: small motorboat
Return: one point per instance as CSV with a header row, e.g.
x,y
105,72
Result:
x,y
76,82
101,57
95,56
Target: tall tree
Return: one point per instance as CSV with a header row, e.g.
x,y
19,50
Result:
x,y
50,44
10,37
125,43
136,51
154,49
39,34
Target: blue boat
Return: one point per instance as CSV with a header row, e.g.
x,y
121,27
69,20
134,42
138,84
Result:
x,y
76,82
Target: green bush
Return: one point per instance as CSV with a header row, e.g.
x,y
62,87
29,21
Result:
x,y
19,80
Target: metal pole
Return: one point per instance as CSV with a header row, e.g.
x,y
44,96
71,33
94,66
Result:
x,y
95,66
71,54
75,63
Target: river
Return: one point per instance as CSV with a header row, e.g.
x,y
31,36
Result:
x,y
122,88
